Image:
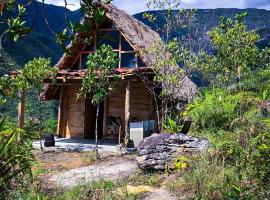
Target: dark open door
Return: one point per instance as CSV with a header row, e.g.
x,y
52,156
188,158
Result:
x,y
90,120
100,120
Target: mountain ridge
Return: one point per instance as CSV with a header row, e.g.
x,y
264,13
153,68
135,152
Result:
x,y
41,42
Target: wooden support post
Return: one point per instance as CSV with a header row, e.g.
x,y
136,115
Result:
x,y
64,113
21,109
127,112
60,113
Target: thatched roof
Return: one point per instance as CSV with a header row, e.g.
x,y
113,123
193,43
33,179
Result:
x,y
141,38
137,33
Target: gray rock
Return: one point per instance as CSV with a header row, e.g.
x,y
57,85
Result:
x,y
159,150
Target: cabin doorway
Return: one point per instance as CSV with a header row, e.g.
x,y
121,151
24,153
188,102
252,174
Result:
x,y
90,120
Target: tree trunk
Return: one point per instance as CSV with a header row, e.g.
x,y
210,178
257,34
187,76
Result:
x,y
127,112
40,122
96,133
21,109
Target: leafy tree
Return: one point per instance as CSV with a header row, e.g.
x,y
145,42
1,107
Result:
x,y
96,83
12,15
236,59
33,75
168,57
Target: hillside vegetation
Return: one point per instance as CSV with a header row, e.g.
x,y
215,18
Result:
x,y
41,42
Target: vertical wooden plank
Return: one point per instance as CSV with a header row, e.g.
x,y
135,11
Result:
x,y
21,109
127,111
60,113
105,115
64,112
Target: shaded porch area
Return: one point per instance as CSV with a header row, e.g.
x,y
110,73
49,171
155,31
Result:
x,y
79,145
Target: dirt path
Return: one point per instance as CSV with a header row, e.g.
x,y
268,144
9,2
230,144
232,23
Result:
x,y
114,169
160,194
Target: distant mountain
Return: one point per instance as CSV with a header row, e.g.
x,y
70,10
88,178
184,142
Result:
x,y
41,42
206,19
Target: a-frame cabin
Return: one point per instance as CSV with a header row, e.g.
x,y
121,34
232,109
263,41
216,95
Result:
x,y
130,100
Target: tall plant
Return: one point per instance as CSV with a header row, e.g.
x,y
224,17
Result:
x,y
96,83
167,57
33,75
237,61
15,157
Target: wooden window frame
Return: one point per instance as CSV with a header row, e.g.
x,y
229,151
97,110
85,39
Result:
x,y
119,50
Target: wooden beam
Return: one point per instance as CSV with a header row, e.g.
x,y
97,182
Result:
x,y
60,113
21,109
65,112
127,112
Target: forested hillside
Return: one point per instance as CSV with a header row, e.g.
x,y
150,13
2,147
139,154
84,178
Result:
x,y
41,42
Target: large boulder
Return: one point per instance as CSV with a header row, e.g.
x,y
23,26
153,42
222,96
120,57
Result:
x,y
160,150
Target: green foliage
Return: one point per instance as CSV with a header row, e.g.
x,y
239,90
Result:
x,y
219,109
15,157
205,179
181,163
171,126
237,59
232,118
49,126
153,179
96,83
94,17
34,73
259,151
96,190
16,25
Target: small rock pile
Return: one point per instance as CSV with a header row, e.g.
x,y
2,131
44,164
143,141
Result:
x,y
159,150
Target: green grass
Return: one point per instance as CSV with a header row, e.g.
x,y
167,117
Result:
x,y
99,190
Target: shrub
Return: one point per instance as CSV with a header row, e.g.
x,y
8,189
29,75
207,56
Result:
x,y
206,179
259,151
218,109
171,126
50,126
15,159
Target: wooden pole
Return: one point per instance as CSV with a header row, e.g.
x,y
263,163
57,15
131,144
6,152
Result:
x,y
127,112
60,113
21,109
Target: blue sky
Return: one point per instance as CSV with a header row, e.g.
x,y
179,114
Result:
x,y
136,6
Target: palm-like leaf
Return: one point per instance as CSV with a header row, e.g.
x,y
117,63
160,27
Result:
x,y
15,158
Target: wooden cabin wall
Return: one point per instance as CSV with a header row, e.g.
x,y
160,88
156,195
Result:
x,y
73,112
116,101
140,101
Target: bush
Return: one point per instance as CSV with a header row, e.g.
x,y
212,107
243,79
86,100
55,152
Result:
x,y
218,109
50,126
259,152
15,158
206,179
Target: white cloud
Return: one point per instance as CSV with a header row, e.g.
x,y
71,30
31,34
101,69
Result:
x,y
131,6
